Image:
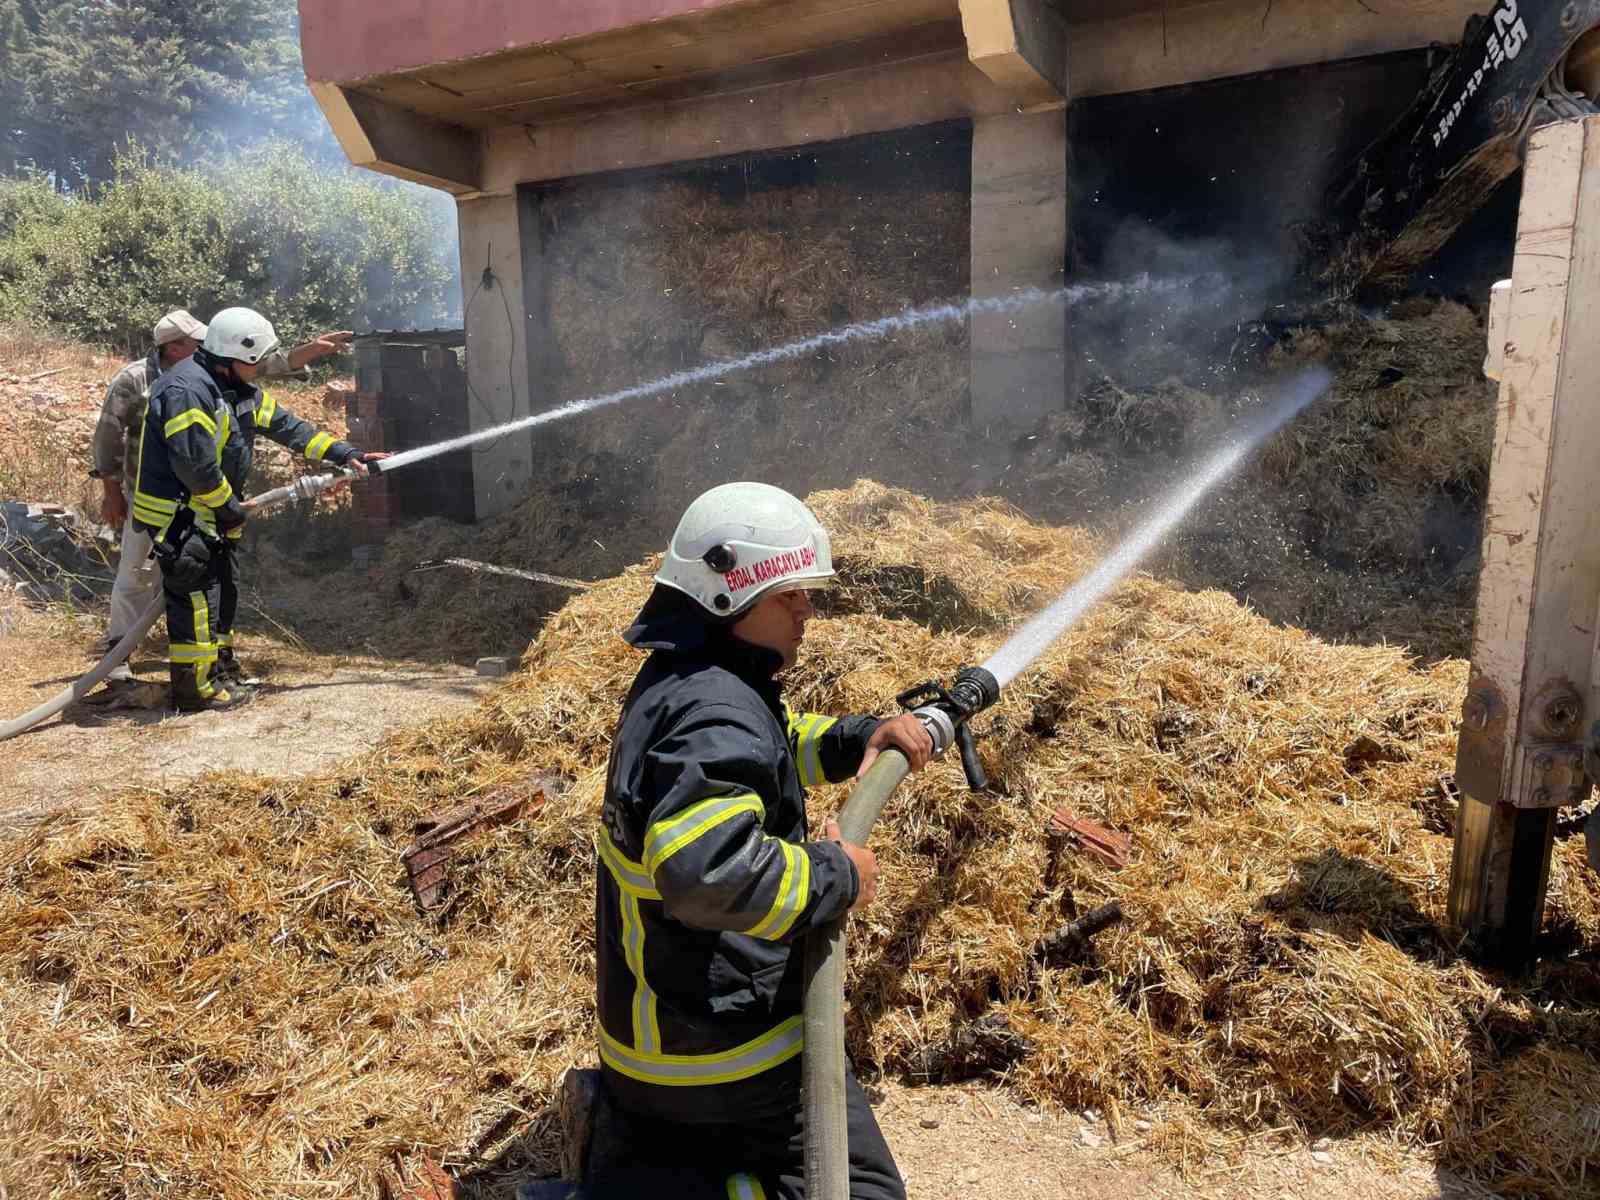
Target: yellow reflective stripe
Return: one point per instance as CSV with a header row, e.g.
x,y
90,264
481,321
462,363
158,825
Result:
x,y
630,876
794,891
202,619
745,1187
155,502
217,496
222,438
266,409
318,446
185,419
646,1028
808,748
665,838
224,640
190,652
771,1049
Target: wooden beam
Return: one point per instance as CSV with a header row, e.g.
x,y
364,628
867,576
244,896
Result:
x,y
1535,686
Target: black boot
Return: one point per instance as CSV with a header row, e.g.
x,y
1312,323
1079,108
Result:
x,y
190,694
229,673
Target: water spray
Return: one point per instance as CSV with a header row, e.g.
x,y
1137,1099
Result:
x,y
862,331
945,714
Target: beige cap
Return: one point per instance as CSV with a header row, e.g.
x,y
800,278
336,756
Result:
x,y
178,324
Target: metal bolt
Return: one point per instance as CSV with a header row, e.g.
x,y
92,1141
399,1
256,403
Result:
x,y
1562,713
1544,762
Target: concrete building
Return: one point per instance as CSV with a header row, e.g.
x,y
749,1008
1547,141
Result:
x,y
485,98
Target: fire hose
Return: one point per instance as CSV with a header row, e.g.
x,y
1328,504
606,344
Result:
x,y
945,715
301,489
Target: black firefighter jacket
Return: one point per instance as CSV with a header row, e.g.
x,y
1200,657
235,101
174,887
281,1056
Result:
x,y
198,444
705,878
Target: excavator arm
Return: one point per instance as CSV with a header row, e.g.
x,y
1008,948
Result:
x,y
1523,64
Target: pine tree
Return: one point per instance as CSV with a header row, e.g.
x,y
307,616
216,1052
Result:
x,y
83,78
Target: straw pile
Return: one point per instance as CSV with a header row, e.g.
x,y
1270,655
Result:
x,y
226,991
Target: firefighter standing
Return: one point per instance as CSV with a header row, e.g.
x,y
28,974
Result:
x,y
706,881
116,443
195,454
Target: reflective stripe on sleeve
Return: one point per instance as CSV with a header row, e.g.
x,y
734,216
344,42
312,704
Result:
x,y
808,746
217,496
794,891
318,446
183,420
666,838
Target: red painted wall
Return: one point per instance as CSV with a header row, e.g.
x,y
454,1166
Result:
x,y
347,40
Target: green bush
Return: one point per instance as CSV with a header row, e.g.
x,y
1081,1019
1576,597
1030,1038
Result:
x,y
312,247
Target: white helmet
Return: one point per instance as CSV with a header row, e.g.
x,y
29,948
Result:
x,y
240,333
742,541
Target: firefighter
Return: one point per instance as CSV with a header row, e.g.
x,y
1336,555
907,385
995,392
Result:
x,y
116,438
706,881
195,453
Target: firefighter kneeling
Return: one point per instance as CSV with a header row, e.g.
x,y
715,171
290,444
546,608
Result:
x,y
195,454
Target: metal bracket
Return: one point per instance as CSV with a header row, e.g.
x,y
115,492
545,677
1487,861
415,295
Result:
x,y
1481,748
1550,775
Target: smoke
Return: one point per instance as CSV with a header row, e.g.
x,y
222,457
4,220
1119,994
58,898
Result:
x,y
1200,327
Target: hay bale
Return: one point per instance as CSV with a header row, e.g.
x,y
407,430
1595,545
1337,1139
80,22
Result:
x,y
225,991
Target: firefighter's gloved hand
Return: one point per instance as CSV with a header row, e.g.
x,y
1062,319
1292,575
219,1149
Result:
x,y
192,565
231,516
358,461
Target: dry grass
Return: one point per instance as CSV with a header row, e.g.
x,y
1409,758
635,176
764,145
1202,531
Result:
x,y
224,991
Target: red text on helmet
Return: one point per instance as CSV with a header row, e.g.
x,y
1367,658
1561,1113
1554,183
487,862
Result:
x,y
768,569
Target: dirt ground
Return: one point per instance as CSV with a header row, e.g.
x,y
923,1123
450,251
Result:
x,y
980,1144
312,711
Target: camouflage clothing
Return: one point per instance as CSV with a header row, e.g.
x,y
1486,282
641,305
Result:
x,y
116,433
122,414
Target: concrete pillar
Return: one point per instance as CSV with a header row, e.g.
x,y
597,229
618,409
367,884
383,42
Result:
x,y
1019,240
494,257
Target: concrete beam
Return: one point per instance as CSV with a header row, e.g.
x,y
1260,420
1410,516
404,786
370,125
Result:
x,y
1190,44
940,87
404,144
1021,45
496,232
1020,365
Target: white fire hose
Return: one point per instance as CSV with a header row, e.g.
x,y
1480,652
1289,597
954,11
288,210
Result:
x,y
301,489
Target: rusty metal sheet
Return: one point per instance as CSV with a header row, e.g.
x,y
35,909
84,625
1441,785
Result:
x,y
427,859
1097,841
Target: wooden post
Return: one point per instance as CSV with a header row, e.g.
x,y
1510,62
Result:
x,y
1533,688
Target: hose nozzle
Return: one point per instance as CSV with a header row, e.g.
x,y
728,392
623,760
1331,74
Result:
x,y
946,711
